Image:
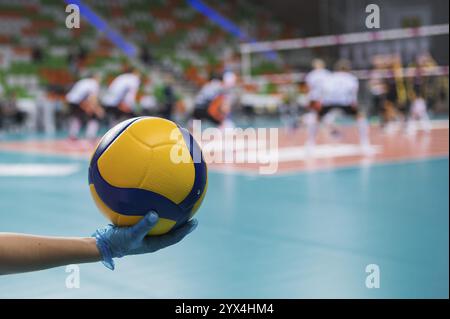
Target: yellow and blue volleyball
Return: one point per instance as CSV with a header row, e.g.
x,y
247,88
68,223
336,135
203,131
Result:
x,y
144,164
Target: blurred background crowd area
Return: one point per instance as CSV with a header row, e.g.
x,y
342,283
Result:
x,y
177,44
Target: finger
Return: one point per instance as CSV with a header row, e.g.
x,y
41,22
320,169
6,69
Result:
x,y
185,229
177,235
152,244
141,229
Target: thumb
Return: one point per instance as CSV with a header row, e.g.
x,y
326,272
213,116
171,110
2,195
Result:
x,y
142,228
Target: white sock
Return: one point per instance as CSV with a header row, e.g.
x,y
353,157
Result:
x,y
425,122
74,127
312,126
411,126
363,128
92,129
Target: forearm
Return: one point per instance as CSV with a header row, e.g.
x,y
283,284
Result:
x,y
22,253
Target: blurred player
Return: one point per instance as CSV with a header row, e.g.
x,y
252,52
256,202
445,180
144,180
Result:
x,y
417,89
169,98
84,107
418,114
211,103
378,87
315,81
340,93
230,81
120,97
289,109
1,109
396,95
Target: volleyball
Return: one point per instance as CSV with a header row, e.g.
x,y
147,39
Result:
x,y
144,164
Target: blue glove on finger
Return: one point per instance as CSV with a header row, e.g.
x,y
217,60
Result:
x,y
113,241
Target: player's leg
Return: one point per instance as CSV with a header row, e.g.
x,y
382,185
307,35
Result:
x,y
197,115
112,115
363,126
363,130
422,114
288,117
411,127
311,119
329,122
418,115
391,115
124,112
218,110
92,127
75,120
201,114
1,117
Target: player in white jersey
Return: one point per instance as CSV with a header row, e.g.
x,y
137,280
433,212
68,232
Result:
x,y
340,93
120,98
82,99
210,101
315,81
418,115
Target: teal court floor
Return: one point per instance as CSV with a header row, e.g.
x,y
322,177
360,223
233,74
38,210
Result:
x,y
299,234
296,235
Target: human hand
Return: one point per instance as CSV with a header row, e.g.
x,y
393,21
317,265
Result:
x,y
114,241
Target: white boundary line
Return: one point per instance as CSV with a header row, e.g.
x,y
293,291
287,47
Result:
x,y
35,169
294,172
